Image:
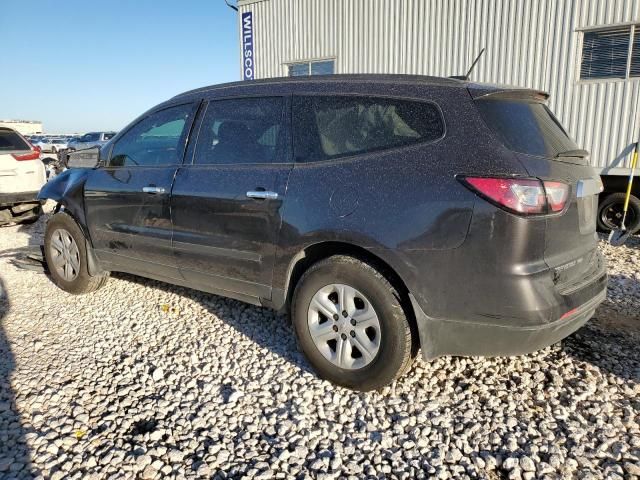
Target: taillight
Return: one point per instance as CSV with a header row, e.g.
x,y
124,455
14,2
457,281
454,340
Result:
x,y
32,155
524,196
557,195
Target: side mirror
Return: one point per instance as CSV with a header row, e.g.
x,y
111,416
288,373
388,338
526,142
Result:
x,y
87,158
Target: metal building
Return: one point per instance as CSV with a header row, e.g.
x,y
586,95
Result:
x,y
26,127
585,53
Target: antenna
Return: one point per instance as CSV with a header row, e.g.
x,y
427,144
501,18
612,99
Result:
x,y
234,7
466,77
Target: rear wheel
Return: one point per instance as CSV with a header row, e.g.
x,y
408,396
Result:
x,y
66,255
350,324
611,210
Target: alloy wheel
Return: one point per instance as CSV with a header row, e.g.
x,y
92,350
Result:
x,y
344,326
65,254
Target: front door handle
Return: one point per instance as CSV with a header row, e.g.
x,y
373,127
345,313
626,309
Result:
x,y
151,189
262,195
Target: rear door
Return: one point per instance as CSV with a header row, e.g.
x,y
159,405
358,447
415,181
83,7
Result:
x,y
528,128
127,201
226,205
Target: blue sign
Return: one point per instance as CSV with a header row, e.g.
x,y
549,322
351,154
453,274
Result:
x,y
248,60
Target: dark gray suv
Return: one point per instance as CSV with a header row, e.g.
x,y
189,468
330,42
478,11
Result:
x,y
387,214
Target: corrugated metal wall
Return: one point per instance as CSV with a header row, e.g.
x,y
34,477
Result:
x,y
532,43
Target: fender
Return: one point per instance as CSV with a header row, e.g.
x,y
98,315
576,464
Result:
x,y
68,190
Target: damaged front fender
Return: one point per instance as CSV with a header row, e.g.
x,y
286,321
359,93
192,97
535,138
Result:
x,y
68,190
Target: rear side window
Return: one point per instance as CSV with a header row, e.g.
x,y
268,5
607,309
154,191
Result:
x,y
526,127
328,127
10,140
244,130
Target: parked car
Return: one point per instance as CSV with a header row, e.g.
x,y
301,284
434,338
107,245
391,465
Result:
x,y
57,144
22,175
384,213
53,145
91,139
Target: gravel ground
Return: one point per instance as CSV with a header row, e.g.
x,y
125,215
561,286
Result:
x,y
147,380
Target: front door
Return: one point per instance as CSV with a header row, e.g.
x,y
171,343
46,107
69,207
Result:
x,y
226,205
127,200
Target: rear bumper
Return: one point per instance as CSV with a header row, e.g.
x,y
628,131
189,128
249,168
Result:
x,y
7,199
440,337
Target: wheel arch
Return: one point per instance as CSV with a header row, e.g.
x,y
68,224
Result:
x,y
316,252
67,189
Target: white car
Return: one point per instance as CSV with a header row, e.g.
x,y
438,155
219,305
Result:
x,y
22,174
53,145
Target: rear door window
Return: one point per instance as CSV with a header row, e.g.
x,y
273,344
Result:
x,y
243,130
11,141
328,127
526,127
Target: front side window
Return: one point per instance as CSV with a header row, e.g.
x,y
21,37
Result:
x,y
248,130
156,140
332,127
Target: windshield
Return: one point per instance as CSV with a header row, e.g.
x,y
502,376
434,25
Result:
x,y
526,127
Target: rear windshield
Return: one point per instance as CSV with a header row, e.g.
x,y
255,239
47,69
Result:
x,y
526,127
10,140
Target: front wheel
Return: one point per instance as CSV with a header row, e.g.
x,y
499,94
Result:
x,y
66,255
350,324
611,210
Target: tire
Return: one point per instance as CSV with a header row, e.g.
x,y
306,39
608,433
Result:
x,y
610,213
79,281
368,288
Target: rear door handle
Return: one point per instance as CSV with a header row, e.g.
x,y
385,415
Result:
x,y
262,195
151,189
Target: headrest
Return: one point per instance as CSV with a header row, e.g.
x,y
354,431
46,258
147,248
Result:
x,y
232,131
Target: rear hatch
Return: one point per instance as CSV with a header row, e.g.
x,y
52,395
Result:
x,y
525,125
20,167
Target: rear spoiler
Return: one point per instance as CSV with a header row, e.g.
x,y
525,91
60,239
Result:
x,y
499,92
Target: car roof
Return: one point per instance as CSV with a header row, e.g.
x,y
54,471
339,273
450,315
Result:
x,y
478,88
341,78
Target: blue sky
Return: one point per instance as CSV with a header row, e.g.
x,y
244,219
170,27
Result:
x,y
91,65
